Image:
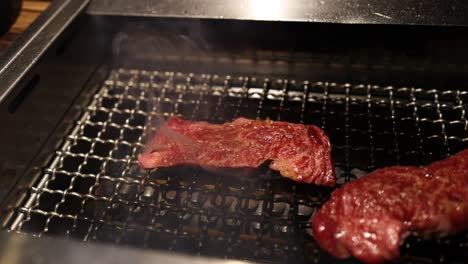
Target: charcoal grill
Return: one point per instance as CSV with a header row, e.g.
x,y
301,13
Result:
x,y
76,119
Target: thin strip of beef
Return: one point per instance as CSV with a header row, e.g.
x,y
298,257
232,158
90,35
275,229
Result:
x,y
298,152
370,217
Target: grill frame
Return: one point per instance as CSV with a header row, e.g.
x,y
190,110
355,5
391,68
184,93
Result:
x,y
78,42
244,91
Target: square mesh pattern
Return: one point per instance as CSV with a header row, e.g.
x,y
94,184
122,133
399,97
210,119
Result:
x,y
95,191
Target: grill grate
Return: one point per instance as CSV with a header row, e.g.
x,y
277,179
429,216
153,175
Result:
x,y
94,191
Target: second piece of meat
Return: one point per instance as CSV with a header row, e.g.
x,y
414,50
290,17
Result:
x,y
299,152
369,217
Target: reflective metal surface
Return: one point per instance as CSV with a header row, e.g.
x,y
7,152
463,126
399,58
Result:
x,y
414,12
21,249
27,50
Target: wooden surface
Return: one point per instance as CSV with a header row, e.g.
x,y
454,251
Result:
x,y
30,11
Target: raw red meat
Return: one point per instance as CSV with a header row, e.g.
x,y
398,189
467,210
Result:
x,y
298,152
369,217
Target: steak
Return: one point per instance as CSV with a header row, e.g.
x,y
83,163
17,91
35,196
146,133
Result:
x,y
370,217
299,152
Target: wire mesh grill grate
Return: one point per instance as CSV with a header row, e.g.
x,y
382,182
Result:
x,y
94,191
